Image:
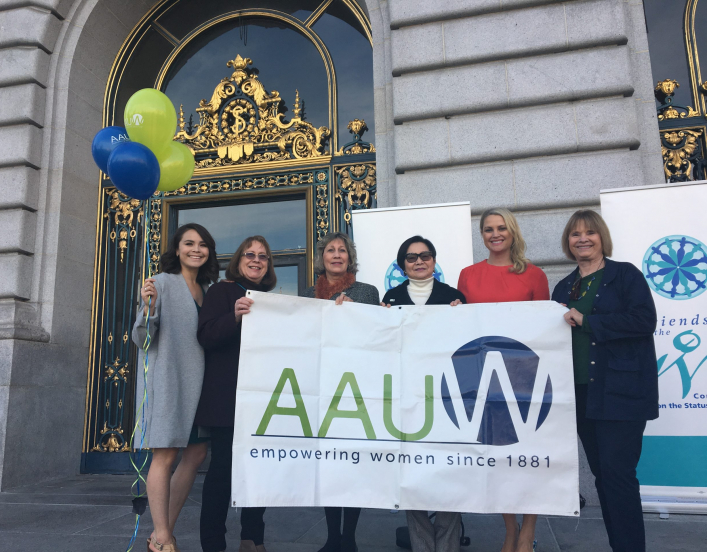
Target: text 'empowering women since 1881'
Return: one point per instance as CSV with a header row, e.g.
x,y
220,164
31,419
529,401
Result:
x,y
467,408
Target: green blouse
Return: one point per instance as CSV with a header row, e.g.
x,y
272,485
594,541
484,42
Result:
x,y
582,336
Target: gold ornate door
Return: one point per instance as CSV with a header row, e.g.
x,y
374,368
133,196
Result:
x,y
264,160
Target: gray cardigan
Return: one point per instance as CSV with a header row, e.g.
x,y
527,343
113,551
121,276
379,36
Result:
x,y
358,291
176,365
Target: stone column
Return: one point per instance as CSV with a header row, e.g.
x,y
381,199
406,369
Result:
x,y
533,105
28,34
55,58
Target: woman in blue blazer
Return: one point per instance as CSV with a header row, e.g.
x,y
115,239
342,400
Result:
x,y
613,318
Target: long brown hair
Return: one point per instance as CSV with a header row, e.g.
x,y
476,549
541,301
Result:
x,y
169,262
233,273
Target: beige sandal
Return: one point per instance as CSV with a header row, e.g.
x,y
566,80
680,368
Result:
x,y
162,547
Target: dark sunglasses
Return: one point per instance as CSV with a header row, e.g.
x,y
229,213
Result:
x,y
252,256
412,257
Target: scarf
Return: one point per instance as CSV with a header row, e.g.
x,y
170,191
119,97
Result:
x,y
324,290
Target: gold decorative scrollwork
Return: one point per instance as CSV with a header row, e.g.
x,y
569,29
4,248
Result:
x,y
116,368
155,229
357,182
243,123
322,203
222,186
115,379
356,189
664,92
357,146
123,210
111,440
245,183
681,154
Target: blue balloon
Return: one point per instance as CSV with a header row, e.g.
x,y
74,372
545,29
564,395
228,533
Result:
x,y
134,170
105,141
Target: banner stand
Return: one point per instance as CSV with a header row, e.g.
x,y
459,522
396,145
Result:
x,y
662,230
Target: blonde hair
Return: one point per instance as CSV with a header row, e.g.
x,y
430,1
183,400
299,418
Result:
x,y
518,258
592,221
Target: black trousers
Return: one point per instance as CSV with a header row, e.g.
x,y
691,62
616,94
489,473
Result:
x,y
216,498
613,449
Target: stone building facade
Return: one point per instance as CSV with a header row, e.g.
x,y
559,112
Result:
x,y
534,105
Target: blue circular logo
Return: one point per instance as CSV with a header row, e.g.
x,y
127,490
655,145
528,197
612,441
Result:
x,y
676,267
521,366
395,276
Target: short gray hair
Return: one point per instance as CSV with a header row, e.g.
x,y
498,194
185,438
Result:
x,y
322,245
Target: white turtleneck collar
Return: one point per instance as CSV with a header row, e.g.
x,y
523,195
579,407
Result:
x,y
420,290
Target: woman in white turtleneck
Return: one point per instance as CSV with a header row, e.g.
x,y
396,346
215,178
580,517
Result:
x,y
418,257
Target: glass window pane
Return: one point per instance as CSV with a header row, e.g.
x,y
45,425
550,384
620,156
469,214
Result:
x,y
282,223
284,59
666,41
286,280
141,70
189,14
353,63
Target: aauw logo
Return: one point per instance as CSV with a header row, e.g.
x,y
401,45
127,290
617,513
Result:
x,y
497,379
135,120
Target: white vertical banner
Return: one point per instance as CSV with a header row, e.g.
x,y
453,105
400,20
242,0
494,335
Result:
x,y
662,230
379,232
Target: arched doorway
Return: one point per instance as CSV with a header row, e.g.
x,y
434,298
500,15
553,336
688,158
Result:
x,y
273,101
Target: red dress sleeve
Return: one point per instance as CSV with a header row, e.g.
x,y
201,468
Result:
x,y
541,289
463,284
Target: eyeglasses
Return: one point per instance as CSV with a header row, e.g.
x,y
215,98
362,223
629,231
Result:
x,y
412,257
252,256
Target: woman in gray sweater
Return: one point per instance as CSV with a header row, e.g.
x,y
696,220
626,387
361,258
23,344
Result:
x,y
174,375
335,264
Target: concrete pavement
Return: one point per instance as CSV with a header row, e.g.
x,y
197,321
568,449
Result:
x,y
89,513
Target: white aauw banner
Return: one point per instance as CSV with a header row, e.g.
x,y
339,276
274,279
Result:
x,y
467,408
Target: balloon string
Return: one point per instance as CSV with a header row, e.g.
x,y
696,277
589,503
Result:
x,y
140,425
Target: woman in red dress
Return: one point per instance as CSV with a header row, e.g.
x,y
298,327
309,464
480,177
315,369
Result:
x,y
506,276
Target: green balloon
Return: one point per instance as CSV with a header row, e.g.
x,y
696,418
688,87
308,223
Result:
x,y
176,167
150,119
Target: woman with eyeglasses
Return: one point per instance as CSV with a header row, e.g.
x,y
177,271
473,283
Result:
x,y
335,266
613,317
417,257
250,268
507,275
